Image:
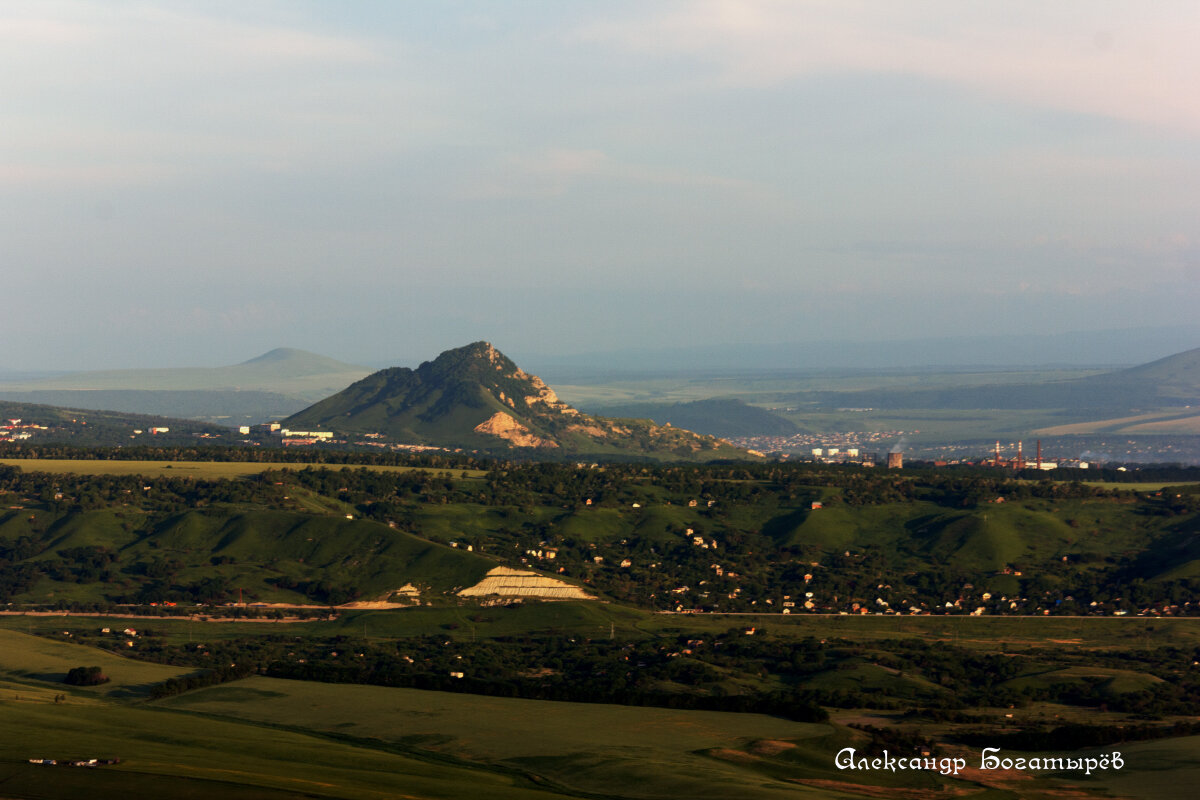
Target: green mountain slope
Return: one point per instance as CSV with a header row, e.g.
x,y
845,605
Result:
x,y
475,397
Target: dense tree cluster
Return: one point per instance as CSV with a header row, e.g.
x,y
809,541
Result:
x,y
85,676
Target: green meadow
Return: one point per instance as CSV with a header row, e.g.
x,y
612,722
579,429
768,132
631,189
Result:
x,y
590,748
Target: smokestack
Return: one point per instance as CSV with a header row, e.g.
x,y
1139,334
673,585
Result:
x,y
1020,462
996,460
895,461
1039,456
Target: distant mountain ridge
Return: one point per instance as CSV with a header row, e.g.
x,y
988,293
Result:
x,y
475,397
1111,347
283,370
230,408
1170,381
272,385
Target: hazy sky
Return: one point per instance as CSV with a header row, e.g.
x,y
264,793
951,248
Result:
x,y
194,183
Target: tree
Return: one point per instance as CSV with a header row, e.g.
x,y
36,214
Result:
x,y
85,676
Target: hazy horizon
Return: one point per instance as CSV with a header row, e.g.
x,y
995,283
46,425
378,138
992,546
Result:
x,y
1077,349
196,183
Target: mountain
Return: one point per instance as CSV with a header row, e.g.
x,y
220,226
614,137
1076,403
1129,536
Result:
x,y
283,371
1167,382
277,383
716,417
1174,379
229,408
476,398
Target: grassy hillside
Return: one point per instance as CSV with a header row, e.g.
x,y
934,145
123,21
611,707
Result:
x,y
716,538
43,663
268,555
585,748
187,756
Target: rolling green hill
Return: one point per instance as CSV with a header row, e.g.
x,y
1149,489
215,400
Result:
x,y
106,555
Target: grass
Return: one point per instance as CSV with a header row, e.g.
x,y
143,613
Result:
x,y
257,545
204,470
613,750
1140,487
1115,681
869,677
267,738
1167,769
43,663
167,754
600,619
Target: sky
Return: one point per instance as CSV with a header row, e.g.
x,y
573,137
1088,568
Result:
x,y
194,183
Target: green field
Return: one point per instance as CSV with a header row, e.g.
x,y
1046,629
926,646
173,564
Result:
x,y
589,748
201,470
172,755
269,738
601,619
43,661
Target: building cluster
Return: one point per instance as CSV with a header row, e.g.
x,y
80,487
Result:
x,y
847,446
16,430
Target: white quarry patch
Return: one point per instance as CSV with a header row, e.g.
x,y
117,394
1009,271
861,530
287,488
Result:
x,y
508,582
507,428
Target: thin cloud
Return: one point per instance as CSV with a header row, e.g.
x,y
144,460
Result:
x,y
552,172
1110,59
